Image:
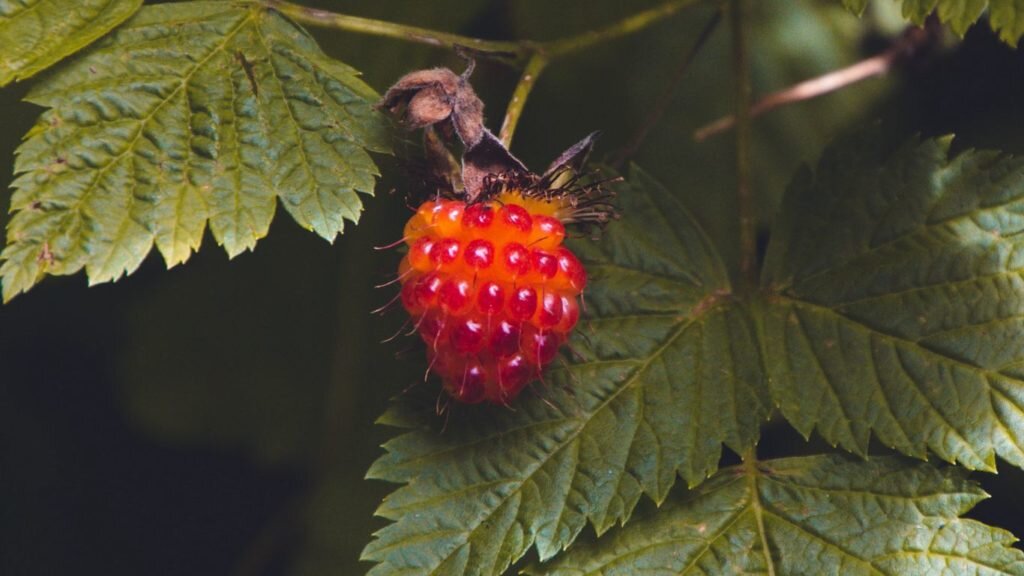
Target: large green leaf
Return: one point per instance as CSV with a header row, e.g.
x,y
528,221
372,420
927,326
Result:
x,y
189,113
896,303
36,34
811,515
668,371
1005,16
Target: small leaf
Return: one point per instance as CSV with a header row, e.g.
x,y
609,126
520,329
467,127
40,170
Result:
x,y
668,371
896,301
36,34
810,515
856,6
189,113
1005,16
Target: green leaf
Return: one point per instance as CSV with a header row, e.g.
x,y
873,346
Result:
x,y
1005,16
36,34
668,371
856,6
896,301
811,515
189,113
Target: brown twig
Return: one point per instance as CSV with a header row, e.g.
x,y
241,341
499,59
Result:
x,y
870,68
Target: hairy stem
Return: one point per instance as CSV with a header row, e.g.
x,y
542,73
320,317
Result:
x,y
326,19
624,27
738,11
533,69
533,56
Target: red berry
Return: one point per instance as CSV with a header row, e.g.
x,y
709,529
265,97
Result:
x,y
477,216
523,303
479,253
455,295
504,338
467,335
516,259
547,232
490,299
550,312
492,292
445,251
516,218
544,264
514,372
468,385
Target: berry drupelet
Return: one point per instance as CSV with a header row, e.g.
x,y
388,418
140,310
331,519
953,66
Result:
x,y
492,291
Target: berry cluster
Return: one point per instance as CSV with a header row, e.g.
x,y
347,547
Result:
x,y
492,291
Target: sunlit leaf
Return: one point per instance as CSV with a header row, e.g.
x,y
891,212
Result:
x,y
811,515
896,301
190,113
668,370
36,34
1005,16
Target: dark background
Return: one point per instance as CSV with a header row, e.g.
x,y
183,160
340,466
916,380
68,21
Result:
x,y
217,418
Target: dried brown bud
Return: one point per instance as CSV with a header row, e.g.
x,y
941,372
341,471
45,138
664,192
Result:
x,y
439,98
435,95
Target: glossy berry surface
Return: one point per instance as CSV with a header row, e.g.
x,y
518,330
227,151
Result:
x,y
492,292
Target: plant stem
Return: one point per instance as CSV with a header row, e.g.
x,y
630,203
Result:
x,y
624,27
533,69
877,65
738,11
536,55
326,19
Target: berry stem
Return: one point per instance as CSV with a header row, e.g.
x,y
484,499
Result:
x,y
515,52
326,19
532,56
538,61
738,12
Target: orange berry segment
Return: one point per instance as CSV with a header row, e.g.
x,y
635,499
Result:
x,y
492,292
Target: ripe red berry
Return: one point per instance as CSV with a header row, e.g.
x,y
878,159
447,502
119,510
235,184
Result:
x,y
491,290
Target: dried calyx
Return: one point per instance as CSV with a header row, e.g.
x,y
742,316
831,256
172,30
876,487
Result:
x,y
446,106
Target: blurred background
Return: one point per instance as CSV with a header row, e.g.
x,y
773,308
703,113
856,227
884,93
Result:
x,y
218,418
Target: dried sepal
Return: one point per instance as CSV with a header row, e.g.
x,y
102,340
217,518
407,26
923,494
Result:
x,y
488,157
443,102
437,95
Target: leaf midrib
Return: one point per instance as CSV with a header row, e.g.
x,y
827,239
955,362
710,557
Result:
x,y
144,121
988,374
539,464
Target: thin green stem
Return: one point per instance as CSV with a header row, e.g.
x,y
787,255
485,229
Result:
x,y
738,11
624,27
326,19
533,69
535,55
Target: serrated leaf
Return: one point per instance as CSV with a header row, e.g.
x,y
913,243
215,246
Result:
x,y
189,113
36,34
1005,16
896,301
668,371
810,515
